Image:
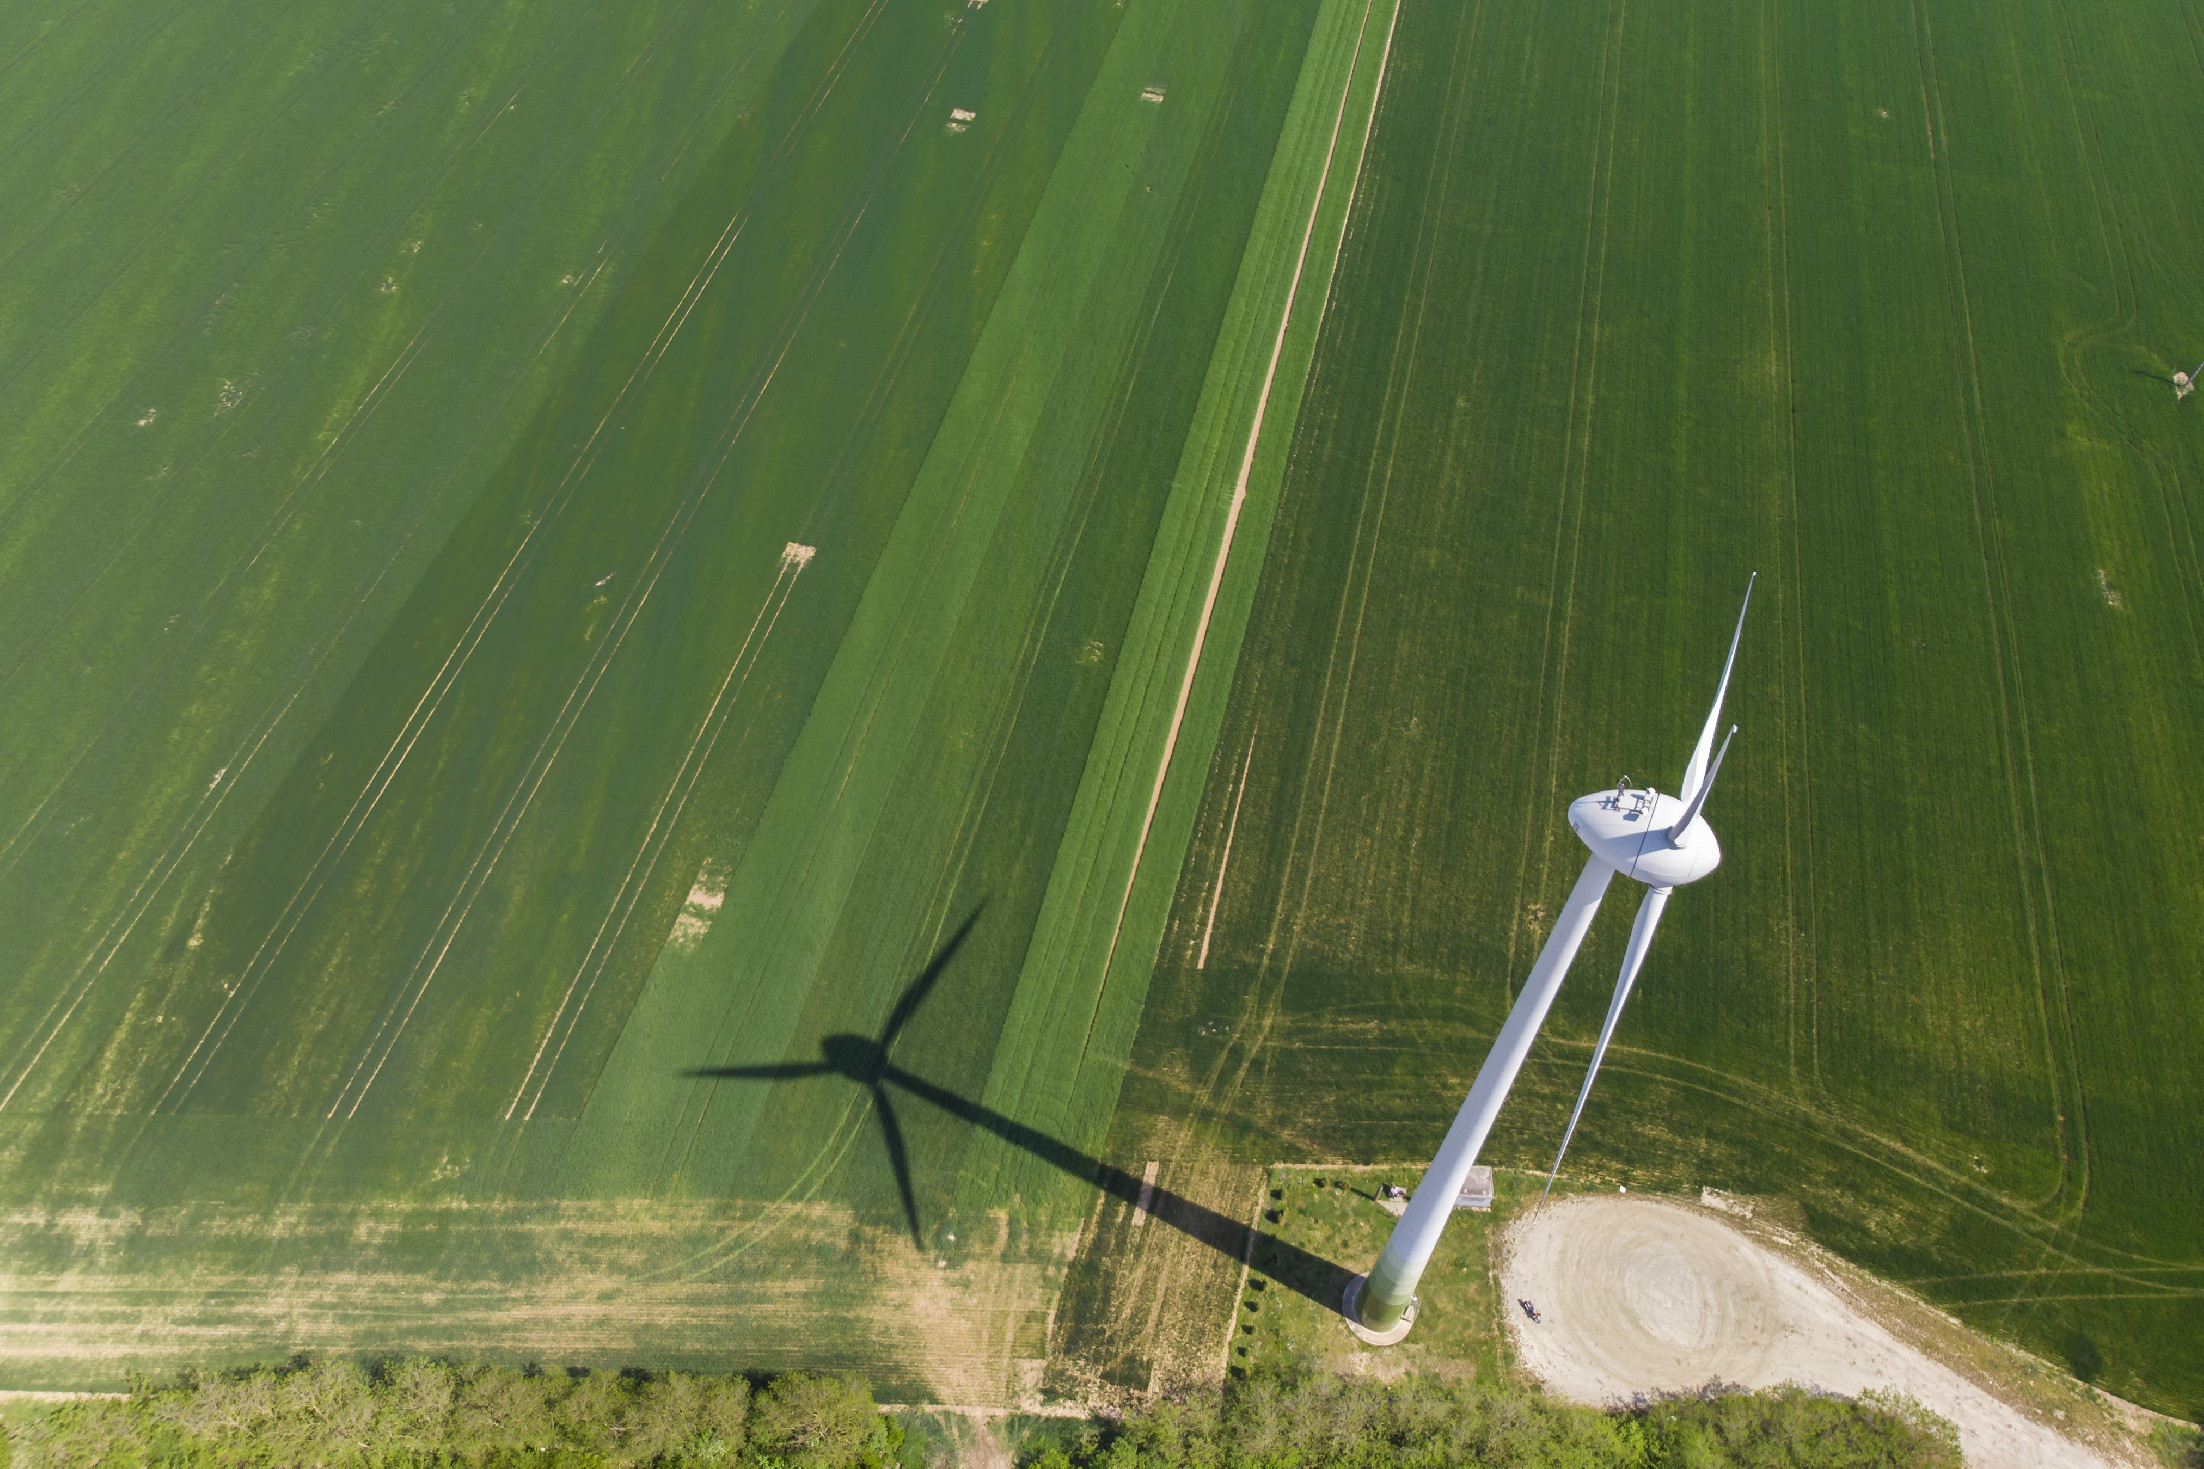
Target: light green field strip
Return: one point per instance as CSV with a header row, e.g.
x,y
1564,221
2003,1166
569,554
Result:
x,y
1117,865
736,998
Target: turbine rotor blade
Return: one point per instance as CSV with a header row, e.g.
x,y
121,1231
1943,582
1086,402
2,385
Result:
x,y
1641,937
1678,832
1695,772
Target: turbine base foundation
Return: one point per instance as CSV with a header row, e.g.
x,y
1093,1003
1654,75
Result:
x,y
1351,1297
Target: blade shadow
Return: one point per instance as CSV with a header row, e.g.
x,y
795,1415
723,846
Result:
x,y
1320,1280
915,993
790,1071
899,1159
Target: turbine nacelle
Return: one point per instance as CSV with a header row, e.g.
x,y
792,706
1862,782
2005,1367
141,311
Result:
x,y
1635,831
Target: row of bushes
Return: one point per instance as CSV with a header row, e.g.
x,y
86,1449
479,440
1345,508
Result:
x,y
422,1412
1314,1419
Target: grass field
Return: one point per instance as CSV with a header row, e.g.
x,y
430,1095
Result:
x,y
604,750
551,551
1879,300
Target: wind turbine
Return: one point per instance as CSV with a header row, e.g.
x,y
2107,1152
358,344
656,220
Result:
x,y
1659,840
2184,383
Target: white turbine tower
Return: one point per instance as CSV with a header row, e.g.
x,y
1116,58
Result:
x,y
2184,383
1661,841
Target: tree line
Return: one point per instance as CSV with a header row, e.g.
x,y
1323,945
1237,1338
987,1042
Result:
x,y
1311,1419
423,1413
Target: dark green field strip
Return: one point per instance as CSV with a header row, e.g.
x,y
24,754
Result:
x,y
1168,307
2094,547
784,897
1277,855
1652,297
1933,932
346,534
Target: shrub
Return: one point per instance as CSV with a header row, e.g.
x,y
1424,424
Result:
x,y
701,1420
812,1422
2179,1445
1783,1427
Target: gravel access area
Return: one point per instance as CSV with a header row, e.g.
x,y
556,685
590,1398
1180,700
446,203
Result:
x,y
1642,1295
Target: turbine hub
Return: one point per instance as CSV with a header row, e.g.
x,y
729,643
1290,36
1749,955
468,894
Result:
x,y
858,1057
1633,831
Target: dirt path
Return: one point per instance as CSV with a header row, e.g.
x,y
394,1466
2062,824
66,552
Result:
x,y
1644,1295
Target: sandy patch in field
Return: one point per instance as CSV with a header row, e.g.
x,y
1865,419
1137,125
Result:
x,y
1640,1296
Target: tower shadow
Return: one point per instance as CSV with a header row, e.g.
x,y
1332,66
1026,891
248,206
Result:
x,y
866,1060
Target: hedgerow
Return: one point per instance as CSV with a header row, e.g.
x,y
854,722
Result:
x,y
423,1413
1317,1420
426,1412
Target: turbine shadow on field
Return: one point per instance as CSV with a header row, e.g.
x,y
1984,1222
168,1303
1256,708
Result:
x,y
865,1060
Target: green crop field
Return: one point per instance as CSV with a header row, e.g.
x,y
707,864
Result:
x,y
1881,301
556,555
655,681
